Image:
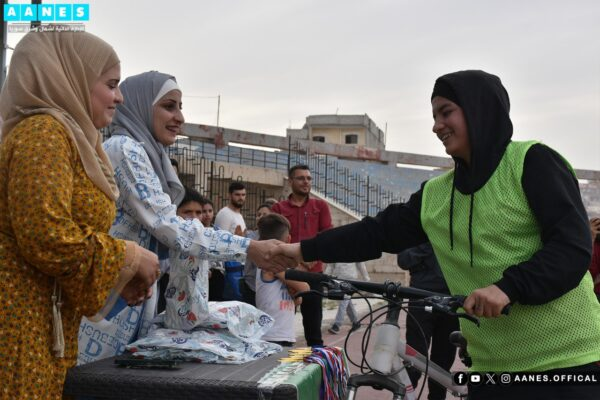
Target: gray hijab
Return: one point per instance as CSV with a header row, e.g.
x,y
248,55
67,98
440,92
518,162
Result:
x,y
134,119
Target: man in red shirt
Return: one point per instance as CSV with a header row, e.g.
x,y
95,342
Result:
x,y
307,217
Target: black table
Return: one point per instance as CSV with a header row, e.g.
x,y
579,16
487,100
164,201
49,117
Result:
x,y
105,380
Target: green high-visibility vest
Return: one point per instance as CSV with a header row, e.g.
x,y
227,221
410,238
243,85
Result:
x,y
562,333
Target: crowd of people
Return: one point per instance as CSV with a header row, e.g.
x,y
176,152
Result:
x,y
88,254
82,253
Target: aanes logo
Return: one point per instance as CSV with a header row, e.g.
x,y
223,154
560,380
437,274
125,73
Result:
x,y
46,12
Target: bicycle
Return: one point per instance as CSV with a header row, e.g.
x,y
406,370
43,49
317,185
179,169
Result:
x,y
386,367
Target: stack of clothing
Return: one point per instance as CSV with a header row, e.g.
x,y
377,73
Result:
x,y
194,329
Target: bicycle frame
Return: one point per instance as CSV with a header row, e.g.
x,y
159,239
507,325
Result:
x,y
391,353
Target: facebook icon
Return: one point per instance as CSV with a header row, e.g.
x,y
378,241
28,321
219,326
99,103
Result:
x,y
460,378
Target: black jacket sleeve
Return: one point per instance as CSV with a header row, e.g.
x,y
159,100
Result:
x,y
415,256
554,197
392,230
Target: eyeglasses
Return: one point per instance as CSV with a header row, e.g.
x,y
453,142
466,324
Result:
x,y
302,178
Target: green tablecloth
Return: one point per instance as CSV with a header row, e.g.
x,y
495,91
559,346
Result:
x,y
306,378
307,381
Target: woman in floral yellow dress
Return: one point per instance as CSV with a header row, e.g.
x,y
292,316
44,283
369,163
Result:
x,y
57,193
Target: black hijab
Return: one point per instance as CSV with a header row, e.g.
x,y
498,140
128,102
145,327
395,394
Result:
x,y
486,106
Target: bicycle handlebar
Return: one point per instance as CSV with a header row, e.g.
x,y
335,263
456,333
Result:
x,y
439,301
387,289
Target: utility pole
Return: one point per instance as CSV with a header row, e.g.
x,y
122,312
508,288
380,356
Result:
x,y
385,135
218,108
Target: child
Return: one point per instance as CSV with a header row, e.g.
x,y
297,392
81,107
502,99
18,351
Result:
x,y
194,205
189,208
347,271
273,292
208,214
248,284
216,273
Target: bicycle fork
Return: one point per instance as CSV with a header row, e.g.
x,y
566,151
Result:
x,y
391,353
383,361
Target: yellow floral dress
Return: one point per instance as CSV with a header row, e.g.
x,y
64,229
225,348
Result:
x,y
53,224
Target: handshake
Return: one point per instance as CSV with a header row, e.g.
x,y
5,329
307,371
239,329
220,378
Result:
x,y
139,274
273,255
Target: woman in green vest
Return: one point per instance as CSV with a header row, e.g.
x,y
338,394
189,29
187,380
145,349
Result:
x,y
508,226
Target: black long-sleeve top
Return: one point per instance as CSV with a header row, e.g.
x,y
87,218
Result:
x,y
553,195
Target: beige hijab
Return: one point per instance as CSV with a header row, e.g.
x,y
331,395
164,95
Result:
x,y
53,73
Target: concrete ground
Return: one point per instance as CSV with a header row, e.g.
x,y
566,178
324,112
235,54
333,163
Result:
x,y
354,344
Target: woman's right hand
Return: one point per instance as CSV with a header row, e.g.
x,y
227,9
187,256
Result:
x,y
133,293
147,271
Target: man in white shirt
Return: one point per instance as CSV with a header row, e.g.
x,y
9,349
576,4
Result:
x,y
230,218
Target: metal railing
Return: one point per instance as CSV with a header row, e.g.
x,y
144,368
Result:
x,y
209,178
343,185
352,189
237,155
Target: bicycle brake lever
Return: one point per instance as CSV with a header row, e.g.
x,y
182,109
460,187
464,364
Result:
x,y
461,299
471,318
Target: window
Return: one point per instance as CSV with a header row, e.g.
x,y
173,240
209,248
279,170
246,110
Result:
x,y
319,139
351,139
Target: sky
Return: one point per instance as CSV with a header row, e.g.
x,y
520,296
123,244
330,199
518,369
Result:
x,y
275,62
